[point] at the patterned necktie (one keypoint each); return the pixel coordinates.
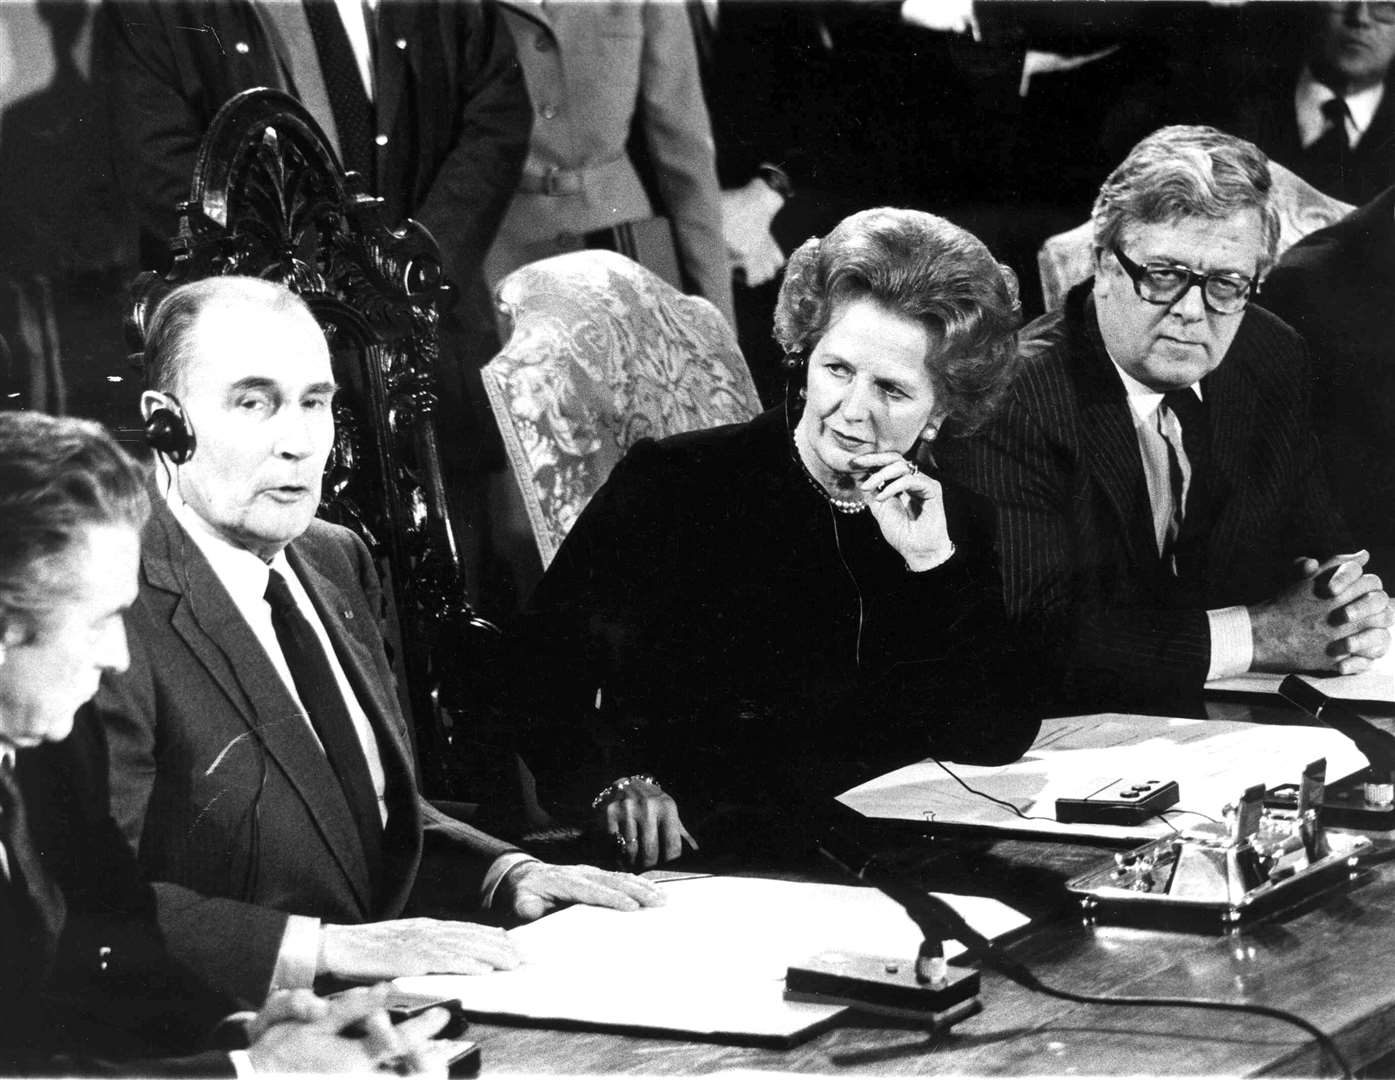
(348, 98)
(1189, 465)
(324, 705)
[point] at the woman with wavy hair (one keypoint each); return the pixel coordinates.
(764, 613)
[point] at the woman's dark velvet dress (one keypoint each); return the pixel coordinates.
(713, 620)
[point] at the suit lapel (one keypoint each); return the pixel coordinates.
(208, 622)
(1109, 441)
(1231, 402)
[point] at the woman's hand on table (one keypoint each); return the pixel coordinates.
(642, 820)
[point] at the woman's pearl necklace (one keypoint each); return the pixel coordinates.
(843, 506)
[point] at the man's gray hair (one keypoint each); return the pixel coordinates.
(1187, 171)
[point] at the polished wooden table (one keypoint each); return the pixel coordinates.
(1330, 961)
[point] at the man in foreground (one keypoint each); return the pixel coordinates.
(85, 984)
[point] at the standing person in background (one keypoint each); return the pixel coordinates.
(424, 99)
(85, 973)
(606, 80)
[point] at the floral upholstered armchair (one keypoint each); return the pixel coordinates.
(1066, 259)
(602, 353)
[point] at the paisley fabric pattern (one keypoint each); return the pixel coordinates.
(1066, 259)
(602, 353)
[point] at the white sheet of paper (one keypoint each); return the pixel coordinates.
(1375, 684)
(710, 961)
(1213, 762)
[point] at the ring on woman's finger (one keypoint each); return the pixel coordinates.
(913, 467)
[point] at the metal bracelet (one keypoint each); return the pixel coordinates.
(620, 785)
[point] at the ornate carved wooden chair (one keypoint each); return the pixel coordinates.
(1066, 259)
(270, 200)
(602, 353)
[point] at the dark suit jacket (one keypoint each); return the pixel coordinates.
(1080, 561)
(452, 103)
(1269, 121)
(86, 985)
(1336, 287)
(218, 780)
(749, 641)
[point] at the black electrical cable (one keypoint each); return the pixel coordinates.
(926, 909)
(991, 798)
(1023, 976)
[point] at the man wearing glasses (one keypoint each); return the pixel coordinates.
(1163, 518)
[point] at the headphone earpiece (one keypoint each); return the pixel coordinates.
(168, 433)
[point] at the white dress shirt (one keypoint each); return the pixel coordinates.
(1232, 643)
(354, 14)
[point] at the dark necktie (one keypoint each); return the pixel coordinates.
(31, 907)
(1329, 156)
(329, 716)
(348, 97)
(1186, 537)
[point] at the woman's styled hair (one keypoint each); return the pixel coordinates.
(921, 267)
(58, 475)
(1187, 171)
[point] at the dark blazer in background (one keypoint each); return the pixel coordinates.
(1336, 287)
(219, 781)
(451, 102)
(1079, 557)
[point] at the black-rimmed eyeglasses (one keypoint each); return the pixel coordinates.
(1380, 10)
(1166, 283)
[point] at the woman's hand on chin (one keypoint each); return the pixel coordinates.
(908, 507)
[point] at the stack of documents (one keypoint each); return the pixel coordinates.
(710, 962)
(1212, 761)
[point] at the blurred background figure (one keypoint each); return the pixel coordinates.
(620, 136)
(1326, 114)
(1335, 287)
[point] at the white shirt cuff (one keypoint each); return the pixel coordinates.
(498, 870)
(1232, 643)
(242, 1065)
(299, 958)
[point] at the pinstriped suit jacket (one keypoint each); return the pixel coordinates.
(1062, 466)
